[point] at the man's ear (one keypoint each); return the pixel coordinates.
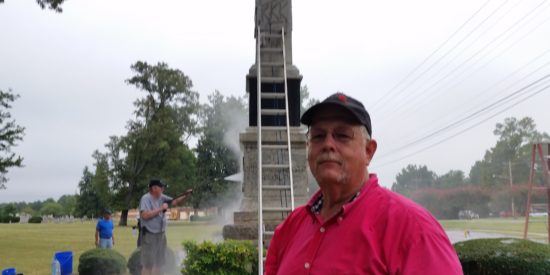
(370, 148)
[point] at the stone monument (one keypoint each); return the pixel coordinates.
(271, 17)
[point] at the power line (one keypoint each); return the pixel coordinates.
(429, 56)
(469, 117)
(509, 76)
(454, 47)
(462, 131)
(492, 59)
(424, 92)
(496, 84)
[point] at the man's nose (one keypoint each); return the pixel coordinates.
(328, 142)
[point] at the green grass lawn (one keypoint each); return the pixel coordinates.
(506, 226)
(30, 247)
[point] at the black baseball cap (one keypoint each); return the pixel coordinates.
(156, 182)
(108, 211)
(349, 103)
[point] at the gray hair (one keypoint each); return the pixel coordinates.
(365, 133)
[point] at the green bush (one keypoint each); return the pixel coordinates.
(35, 219)
(9, 219)
(134, 263)
(503, 256)
(229, 257)
(99, 261)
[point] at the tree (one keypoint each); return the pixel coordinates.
(10, 134)
(513, 147)
(100, 181)
(218, 151)
(154, 146)
(168, 93)
(413, 177)
(68, 202)
(52, 208)
(8, 210)
(88, 201)
(453, 178)
(95, 195)
(446, 203)
(305, 101)
(28, 210)
(51, 4)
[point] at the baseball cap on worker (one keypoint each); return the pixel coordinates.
(156, 182)
(355, 108)
(108, 211)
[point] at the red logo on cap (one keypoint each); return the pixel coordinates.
(343, 98)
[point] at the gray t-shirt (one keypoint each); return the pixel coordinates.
(156, 224)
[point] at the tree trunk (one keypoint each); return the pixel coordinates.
(123, 218)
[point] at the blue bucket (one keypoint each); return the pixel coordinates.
(65, 259)
(8, 271)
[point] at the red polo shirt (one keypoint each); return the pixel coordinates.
(379, 232)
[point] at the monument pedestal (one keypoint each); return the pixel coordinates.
(245, 225)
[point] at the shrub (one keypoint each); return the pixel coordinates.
(229, 257)
(503, 256)
(9, 219)
(134, 262)
(99, 261)
(35, 219)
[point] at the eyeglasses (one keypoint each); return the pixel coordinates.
(340, 135)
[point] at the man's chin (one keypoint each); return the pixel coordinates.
(327, 176)
(329, 165)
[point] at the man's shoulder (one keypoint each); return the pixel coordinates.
(102, 222)
(402, 212)
(146, 196)
(399, 203)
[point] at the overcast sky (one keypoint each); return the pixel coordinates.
(418, 66)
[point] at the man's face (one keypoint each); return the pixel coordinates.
(338, 152)
(107, 216)
(156, 190)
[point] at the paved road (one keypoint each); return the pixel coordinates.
(458, 236)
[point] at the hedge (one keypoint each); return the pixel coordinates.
(99, 261)
(229, 257)
(7, 219)
(35, 219)
(134, 263)
(503, 256)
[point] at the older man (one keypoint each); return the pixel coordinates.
(353, 225)
(152, 207)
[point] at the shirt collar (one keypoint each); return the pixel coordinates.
(315, 204)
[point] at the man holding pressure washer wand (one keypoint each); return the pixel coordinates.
(152, 209)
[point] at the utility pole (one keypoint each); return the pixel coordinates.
(511, 188)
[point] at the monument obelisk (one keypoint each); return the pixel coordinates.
(271, 16)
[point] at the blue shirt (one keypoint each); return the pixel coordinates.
(105, 228)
